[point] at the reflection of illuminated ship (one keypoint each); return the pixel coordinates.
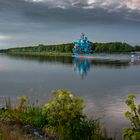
(82, 46)
(134, 61)
(81, 66)
(134, 58)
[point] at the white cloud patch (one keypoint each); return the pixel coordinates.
(114, 4)
(133, 4)
(4, 37)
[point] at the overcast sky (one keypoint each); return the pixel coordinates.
(32, 22)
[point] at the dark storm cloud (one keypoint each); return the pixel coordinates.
(27, 11)
(32, 18)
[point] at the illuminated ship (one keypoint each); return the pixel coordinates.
(82, 46)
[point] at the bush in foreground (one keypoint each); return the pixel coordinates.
(62, 117)
(24, 113)
(134, 116)
(66, 118)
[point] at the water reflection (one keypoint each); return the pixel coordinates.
(104, 89)
(134, 61)
(81, 66)
(68, 60)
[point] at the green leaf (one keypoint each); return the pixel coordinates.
(131, 96)
(128, 115)
(129, 102)
(133, 107)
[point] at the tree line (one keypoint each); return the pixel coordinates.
(111, 47)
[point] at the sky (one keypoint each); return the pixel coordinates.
(33, 22)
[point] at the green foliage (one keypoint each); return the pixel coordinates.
(64, 112)
(36, 116)
(137, 48)
(111, 47)
(134, 116)
(64, 106)
(62, 48)
(62, 117)
(25, 114)
(66, 118)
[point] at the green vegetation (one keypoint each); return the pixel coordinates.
(66, 118)
(66, 49)
(113, 47)
(134, 116)
(44, 49)
(62, 117)
(25, 114)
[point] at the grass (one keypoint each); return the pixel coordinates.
(62, 118)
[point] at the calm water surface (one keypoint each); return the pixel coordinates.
(102, 84)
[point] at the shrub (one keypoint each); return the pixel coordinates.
(66, 118)
(62, 117)
(134, 116)
(24, 113)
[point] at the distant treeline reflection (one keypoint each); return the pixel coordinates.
(67, 60)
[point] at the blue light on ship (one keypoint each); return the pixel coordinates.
(82, 46)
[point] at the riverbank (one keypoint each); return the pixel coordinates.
(60, 119)
(9, 131)
(18, 131)
(95, 56)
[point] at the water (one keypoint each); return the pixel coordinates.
(103, 85)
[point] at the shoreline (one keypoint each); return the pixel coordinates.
(109, 57)
(96, 56)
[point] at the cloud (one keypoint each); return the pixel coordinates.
(114, 4)
(35, 21)
(5, 37)
(69, 11)
(133, 4)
